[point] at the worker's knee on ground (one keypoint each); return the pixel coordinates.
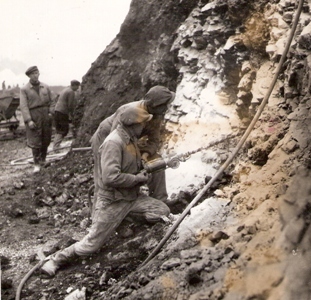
(152, 217)
(162, 210)
(166, 210)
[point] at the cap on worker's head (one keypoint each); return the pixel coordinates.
(134, 115)
(74, 82)
(31, 70)
(159, 95)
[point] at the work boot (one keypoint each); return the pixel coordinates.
(44, 151)
(57, 141)
(36, 169)
(58, 259)
(36, 153)
(49, 268)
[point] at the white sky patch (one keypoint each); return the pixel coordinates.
(63, 38)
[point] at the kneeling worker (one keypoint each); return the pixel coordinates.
(119, 185)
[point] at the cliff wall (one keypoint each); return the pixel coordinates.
(137, 59)
(250, 238)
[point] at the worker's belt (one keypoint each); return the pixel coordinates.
(38, 107)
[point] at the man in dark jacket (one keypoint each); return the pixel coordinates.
(119, 189)
(64, 110)
(37, 106)
(155, 102)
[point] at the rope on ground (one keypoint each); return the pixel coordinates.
(237, 148)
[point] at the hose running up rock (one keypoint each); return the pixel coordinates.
(237, 148)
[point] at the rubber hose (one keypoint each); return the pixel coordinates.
(237, 148)
(26, 277)
(17, 162)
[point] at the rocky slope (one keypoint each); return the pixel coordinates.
(248, 237)
(224, 55)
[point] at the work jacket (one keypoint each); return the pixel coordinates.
(151, 130)
(120, 160)
(30, 99)
(66, 102)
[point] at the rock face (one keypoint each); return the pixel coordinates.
(220, 57)
(137, 59)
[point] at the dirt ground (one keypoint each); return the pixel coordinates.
(43, 213)
(229, 241)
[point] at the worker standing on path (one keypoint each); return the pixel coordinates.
(119, 185)
(37, 107)
(154, 102)
(64, 110)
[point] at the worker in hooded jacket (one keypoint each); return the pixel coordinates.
(155, 102)
(120, 178)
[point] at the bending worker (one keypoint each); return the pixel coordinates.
(37, 106)
(118, 194)
(155, 102)
(64, 110)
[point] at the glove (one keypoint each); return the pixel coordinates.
(142, 177)
(145, 156)
(32, 124)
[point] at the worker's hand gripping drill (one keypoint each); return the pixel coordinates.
(143, 176)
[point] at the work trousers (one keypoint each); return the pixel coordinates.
(62, 128)
(106, 219)
(61, 123)
(39, 138)
(156, 184)
(39, 155)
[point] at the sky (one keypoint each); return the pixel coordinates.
(61, 37)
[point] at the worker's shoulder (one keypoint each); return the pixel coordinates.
(67, 90)
(114, 137)
(118, 137)
(26, 86)
(138, 104)
(44, 85)
(113, 141)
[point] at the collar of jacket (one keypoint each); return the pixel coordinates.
(125, 134)
(143, 105)
(31, 85)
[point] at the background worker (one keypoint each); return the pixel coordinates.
(119, 184)
(37, 106)
(64, 110)
(154, 102)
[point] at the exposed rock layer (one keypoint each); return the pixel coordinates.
(220, 57)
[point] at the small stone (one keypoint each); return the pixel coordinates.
(33, 220)
(104, 278)
(6, 283)
(17, 212)
(219, 235)
(19, 185)
(143, 279)
(240, 228)
(171, 263)
(126, 232)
